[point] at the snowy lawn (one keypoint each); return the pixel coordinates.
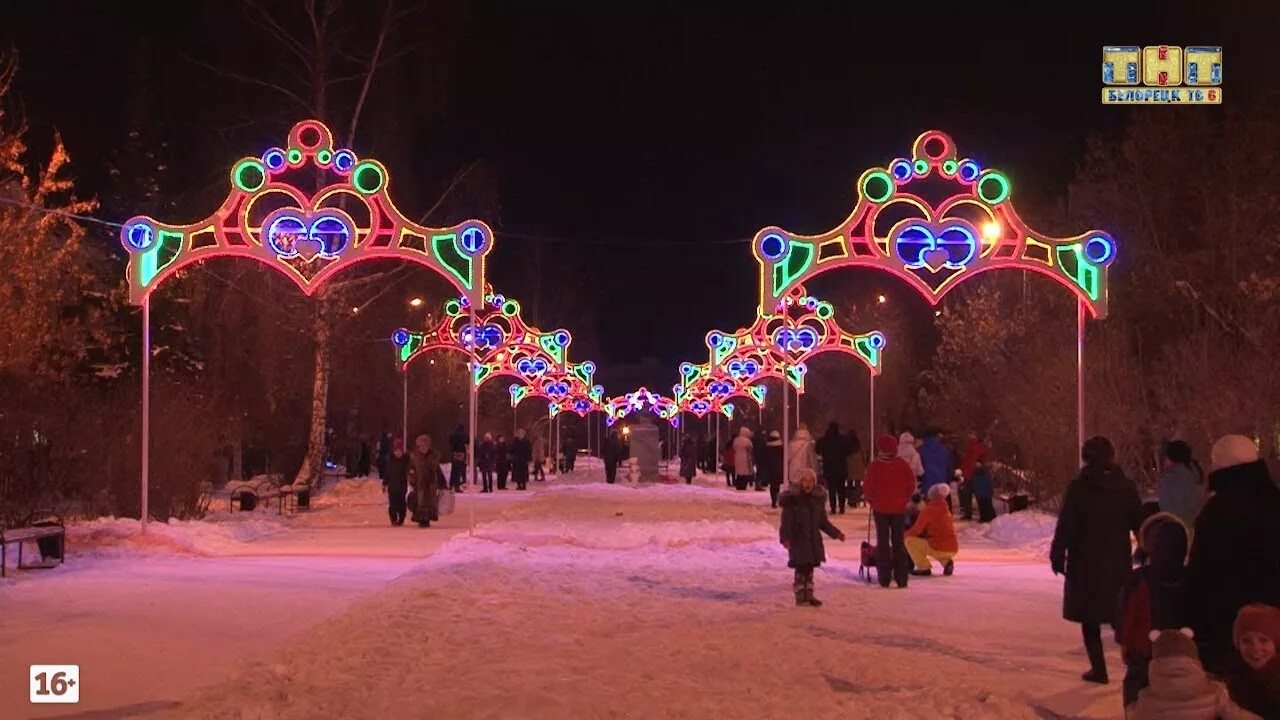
(576, 600)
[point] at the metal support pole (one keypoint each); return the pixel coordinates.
(718, 455)
(404, 416)
(1080, 376)
(144, 511)
(786, 436)
(471, 383)
(871, 419)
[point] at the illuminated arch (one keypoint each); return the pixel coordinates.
(309, 237)
(935, 247)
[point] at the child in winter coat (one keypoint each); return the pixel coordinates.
(1152, 598)
(804, 519)
(1257, 687)
(933, 534)
(1180, 689)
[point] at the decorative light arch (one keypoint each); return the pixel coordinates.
(617, 408)
(307, 236)
(935, 246)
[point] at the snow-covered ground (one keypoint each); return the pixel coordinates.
(576, 599)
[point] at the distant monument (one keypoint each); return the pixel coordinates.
(646, 447)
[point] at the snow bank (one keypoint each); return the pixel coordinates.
(217, 534)
(1027, 530)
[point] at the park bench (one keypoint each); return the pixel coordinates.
(245, 495)
(42, 527)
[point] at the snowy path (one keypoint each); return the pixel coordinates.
(575, 601)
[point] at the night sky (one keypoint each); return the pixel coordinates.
(639, 139)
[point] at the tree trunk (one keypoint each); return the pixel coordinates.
(313, 463)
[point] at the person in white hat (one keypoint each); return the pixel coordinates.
(1235, 552)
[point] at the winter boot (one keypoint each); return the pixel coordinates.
(949, 569)
(802, 595)
(1097, 662)
(922, 573)
(808, 595)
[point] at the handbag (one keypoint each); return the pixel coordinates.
(445, 502)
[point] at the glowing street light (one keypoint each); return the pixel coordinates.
(882, 299)
(937, 313)
(991, 231)
(626, 430)
(354, 310)
(416, 302)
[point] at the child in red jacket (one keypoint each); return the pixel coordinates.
(888, 487)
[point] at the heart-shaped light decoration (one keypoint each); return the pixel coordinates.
(294, 235)
(950, 246)
(531, 367)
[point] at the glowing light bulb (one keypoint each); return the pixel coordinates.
(416, 302)
(991, 230)
(937, 313)
(882, 299)
(355, 310)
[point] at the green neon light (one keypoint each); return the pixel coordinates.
(795, 264)
(757, 392)
(250, 175)
(165, 251)
(877, 187)
(518, 393)
(795, 375)
(480, 371)
(411, 348)
(446, 250)
(323, 157)
(868, 351)
(824, 310)
(295, 156)
(993, 187)
(548, 343)
(510, 307)
(1082, 272)
(367, 177)
(727, 409)
(580, 372)
(921, 167)
(949, 167)
(726, 346)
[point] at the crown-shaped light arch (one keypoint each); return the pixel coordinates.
(307, 236)
(935, 246)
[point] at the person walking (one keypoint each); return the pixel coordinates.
(935, 459)
(502, 460)
(1182, 488)
(688, 460)
(458, 442)
(744, 461)
(1091, 546)
(539, 473)
(1235, 549)
(800, 453)
(486, 459)
(888, 486)
(773, 465)
(521, 455)
(975, 452)
(395, 481)
(833, 448)
(726, 462)
(855, 468)
(611, 454)
(384, 451)
(804, 519)
(427, 478)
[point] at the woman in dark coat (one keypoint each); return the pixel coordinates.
(425, 473)
(1091, 546)
(804, 519)
(773, 465)
(395, 479)
(688, 459)
(502, 460)
(521, 455)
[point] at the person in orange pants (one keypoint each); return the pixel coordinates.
(933, 535)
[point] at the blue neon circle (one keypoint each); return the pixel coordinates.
(772, 246)
(969, 171)
(400, 337)
(140, 236)
(901, 170)
(715, 338)
(273, 159)
(473, 239)
(876, 340)
(1098, 249)
(343, 160)
(686, 368)
(561, 338)
(589, 367)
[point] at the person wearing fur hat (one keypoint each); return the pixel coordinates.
(800, 453)
(907, 451)
(773, 465)
(1235, 550)
(933, 534)
(1180, 689)
(804, 519)
(888, 486)
(1256, 687)
(1153, 598)
(1100, 510)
